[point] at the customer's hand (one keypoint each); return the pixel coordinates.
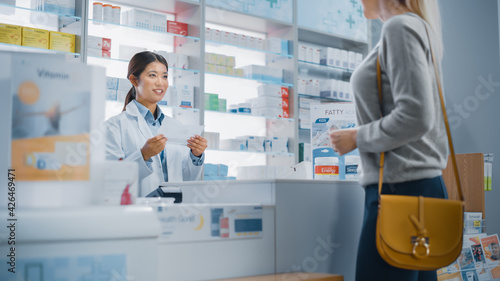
(198, 144)
(343, 141)
(153, 146)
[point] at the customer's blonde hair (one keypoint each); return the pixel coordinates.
(429, 11)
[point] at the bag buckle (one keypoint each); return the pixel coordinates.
(420, 241)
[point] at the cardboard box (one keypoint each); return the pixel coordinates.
(158, 22)
(328, 56)
(208, 34)
(11, 34)
(34, 37)
(185, 96)
(95, 42)
(271, 90)
(177, 28)
(60, 41)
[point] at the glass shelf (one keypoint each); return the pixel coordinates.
(321, 68)
(127, 61)
(70, 18)
(17, 48)
(248, 115)
(322, 98)
(249, 79)
(216, 43)
(109, 24)
(253, 152)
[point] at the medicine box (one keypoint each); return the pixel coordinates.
(259, 44)
(222, 105)
(344, 59)
(233, 144)
(185, 96)
(234, 39)
(316, 55)
(230, 61)
(273, 112)
(309, 54)
(158, 22)
(221, 69)
(302, 52)
(253, 143)
(272, 90)
(111, 94)
(100, 43)
(63, 42)
(277, 45)
(208, 34)
(327, 56)
(221, 60)
(225, 37)
(251, 42)
(178, 28)
(301, 86)
(242, 40)
(59, 7)
(352, 60)
(34, 37)
(112, 83)
(269, 102)
(98, 53)
(182, 61)
(139, 18)
(329, 88)
(230, 71)
(212, 102)
(216, 35)
(313, 87)
(11, 34)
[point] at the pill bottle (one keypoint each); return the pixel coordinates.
(116, 14)
(107, 13)
(351, 167)
(97, 11)
(326, 168)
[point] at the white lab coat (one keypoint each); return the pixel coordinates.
(126, 134)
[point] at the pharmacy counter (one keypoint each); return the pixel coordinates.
(84, 243)
(317, 223)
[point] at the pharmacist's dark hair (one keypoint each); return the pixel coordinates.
(137, 65)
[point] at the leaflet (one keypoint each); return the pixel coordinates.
(178, 133)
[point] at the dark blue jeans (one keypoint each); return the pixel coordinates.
(370, 266)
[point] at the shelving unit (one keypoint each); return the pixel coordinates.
(232, 17)
(22, 14)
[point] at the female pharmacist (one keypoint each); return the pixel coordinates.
(411, 131)
(131, 135)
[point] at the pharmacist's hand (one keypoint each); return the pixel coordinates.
(343, 141)
(198, 144)
(153, 146)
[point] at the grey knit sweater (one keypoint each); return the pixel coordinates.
(412, 131)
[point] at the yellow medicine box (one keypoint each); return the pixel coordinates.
(34, 37)
(60, 41)
(11, 34)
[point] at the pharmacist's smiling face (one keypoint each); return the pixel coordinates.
(152, 84)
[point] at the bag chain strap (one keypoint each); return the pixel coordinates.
(445, 117)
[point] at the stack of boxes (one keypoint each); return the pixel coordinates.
(221, 64)
(37, 38)
(271, 44)
(54, 6)
(216, 172)
(214, 103)
(336, 89)
(179, 96)
(98, 46)
(117, 88)
(145, 19)
(256, 144)
(348, 60)
(259, 72)
(272, 101)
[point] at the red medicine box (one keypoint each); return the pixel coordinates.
(177, 27)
